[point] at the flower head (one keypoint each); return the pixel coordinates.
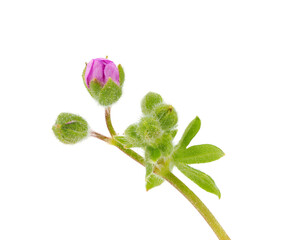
(101, 69)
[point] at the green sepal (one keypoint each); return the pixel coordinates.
(173, 132)
(200, 178)
(152, 153)
(94, 86)
(152, 180)
(110, 93)
(107, 94)
(190, 132)
(121, 74)
(149, 102)
(165, 144)
(198, 154)
(166, 115)
(70, 128)
(95, 89)
(83, 74)
(59, 135)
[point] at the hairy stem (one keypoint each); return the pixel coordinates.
(108, 122)
(171, 178)
(178, 184)
(101, 137)
(129, 152)
(198, 204)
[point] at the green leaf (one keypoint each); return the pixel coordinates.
(121, 74)
(198, 154)
(152, 180)
(190, 132)
(200, 178)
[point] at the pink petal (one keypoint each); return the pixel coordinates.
(111, 71)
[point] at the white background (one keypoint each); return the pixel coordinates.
(241, 66)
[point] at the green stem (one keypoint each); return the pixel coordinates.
(101, 137)
(198, 204)
(178, 184)
(113, 142)
(129, 152)
(108, 121)
(171, 178)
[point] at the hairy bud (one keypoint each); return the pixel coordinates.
(104, 80)
(70, 128)
(167, 116)
(149, 102)
(149, 130)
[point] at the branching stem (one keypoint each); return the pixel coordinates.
(171, 178)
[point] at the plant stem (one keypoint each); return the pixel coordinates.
(108, 122)
(171, 178)
(178, 184)
(198, 204)
(127, 151)
(101, 137)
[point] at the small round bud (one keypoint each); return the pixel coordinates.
(149, 129)
(70, 128)
(149, 102)
(167, 116)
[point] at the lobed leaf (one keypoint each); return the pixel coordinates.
(198, 154)
(189, 133)
(200, 178)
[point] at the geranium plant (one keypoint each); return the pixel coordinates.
(154, 133)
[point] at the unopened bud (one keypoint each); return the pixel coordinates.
(104, 80)
(70, 128)
(149, 102)
(149, 130)
(167, 116)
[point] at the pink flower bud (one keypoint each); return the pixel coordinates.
(101, 69)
